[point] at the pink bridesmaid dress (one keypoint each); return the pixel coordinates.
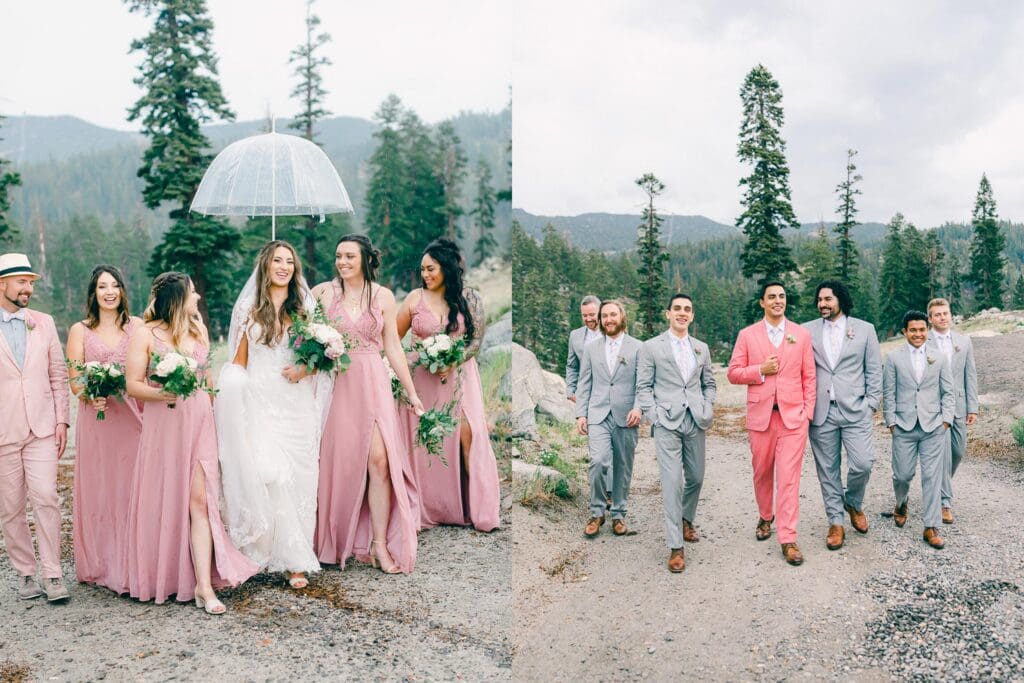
(362, 398)
(450, 495)
(174, 442)
(105, 453)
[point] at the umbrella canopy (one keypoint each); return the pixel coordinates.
(271, 175)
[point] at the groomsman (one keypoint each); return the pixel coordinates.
(960, 353)
(578, 340)
(607, 414)
(849, 390)
(774, 358)
(675, 389)
(33, 430)
(917, 388)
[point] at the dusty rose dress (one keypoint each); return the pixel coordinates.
(450, 495)
(362, 398)
(105, 455)
(174, 442)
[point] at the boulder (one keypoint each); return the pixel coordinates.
(498, 333)
(524, 471)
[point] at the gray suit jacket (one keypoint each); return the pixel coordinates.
(600, 393)
(908, 402)
(572, 361)
(857, 377)
(965, 374)
(661, 390)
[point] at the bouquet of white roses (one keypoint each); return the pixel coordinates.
(176, 374)
(317, 345)
(435, 426)
(99, 380)
(439, 352)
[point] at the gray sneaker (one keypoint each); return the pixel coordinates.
(56, 591)
(30, 588)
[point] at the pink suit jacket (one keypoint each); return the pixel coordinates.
(792, 388)
(33, 399)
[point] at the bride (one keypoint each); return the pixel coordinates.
(268, 422)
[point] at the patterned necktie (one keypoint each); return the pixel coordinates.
(17, 315)
(611, 355)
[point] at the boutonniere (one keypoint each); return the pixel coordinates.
(849, 333)
(930, 360)
(791, 339)
(957, 349)
(696, 352)
(622, 361)
(29, 323)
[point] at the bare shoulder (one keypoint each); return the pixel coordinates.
(383, 295)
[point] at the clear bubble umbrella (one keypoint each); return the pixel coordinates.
(271, 175)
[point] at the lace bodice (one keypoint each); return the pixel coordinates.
(364, 330)
(260, 355)
(95, 349)
(425, 324)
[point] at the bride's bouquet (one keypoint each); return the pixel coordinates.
(317, 345)
(176, 374)
(435, 426)
(99, 380)
(439, 352)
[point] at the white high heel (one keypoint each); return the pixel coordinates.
(212, 606)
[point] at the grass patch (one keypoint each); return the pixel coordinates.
(492, 372)
(11, 672)
(1018, 432)
(551, 458)
(541, 492)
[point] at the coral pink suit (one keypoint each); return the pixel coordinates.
(105, 453)
(175, 441)
(779, 409)
(450, 495)
(362, 399)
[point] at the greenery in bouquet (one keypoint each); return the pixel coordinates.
(317, 345)
(397, 390)
(99, 380)
(177, 374)
(439, 352)
(434, 427)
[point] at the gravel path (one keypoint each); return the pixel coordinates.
(884, 606)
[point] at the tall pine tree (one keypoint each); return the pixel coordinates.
(452, 172)
(818, 264)
(8, 179)
(652, 261)
(890, 282)
(385, 193)
(988, 263)
(1017, 300)
(954, 284)
(181, 92)
(847, 258)
(934, 257)
(766, 198)
(483, 213)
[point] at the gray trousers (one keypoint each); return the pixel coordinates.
(611, 457)
(680, 454)
(930, 449)
(956, 449)
(827, 442)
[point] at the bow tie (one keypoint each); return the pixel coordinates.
(19, 314)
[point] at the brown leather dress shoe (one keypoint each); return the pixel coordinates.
(619, 527)
(676, 561)
(899, 515)
(792, 554)
(858, 520)
(593, 526)
(836, 534)
(932, 538)
(690, 534)
(947, 515)
(764, 529)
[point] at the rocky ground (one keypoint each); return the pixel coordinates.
(886, 606)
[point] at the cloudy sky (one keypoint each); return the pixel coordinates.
(440, 58)
(929, 92)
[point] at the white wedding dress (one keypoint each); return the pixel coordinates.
(268, 433)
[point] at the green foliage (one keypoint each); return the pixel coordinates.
(652, 257)
(934, 258)
(766, 197)
(309, 89)
(911, 267)
(452, 173)
(1017, 299)
(817, 263)
(483, 213)
(846, 249)
(8, 179)
(551, 458)
(954, 282)
(1018, 431)
(988, 263)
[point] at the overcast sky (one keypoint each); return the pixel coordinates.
(71, 57)
(929, 92)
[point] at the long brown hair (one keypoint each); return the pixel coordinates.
(167, 300)
(370, 262)
(92, 303)
(263, 311)
(447, 254)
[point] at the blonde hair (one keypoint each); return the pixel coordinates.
(617, 304)
(938, 301)
(167, 300)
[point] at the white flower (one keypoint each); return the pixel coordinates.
(192, 364)
(335, 349)
(169, 364)
(443, 342)
(113, 371)
(324, 334)
(93, 365)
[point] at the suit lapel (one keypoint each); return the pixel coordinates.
(761, 335)
(670, 353)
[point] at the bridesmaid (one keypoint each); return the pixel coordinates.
(467, 491)
(104, 451)
(177, 544)
(367, 489)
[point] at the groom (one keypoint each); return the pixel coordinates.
(33, 430)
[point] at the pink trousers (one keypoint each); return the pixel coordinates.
(29, 469)
(777, 456)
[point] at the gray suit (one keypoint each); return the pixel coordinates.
(572, 371)
(680, 412)
(965, 393)
(605, 399)
(917, 411)
(844, 417)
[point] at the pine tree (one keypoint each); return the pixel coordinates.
(847, 260)
(483, 213)
(423, 216)
(311, 93)
(1018, 294)
(914, 286)
(766, 199)
(818, 264)
(385, 193)
(890, 288)
(452, 172)
(8, 179)
(934, 257)
(181, 92)
(652, 260)
(988, 264)
(954, 283)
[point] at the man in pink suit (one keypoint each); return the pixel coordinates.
(33, 430)
(775, 359)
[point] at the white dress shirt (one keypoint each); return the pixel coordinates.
(611, 352)
(833, 334)
(918, 360)
(775, 334)
(945, 344)
(12, 325)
